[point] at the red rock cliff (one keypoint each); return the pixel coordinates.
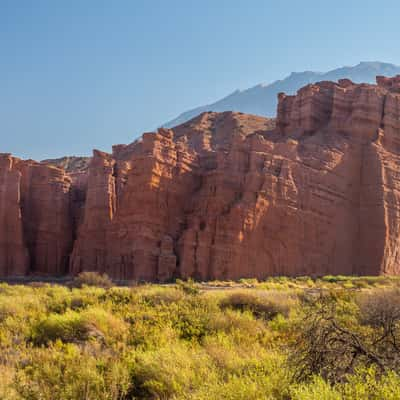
(14, 256)
(35, 230)
(224, 196)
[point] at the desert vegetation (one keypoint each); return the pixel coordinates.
(286, 339)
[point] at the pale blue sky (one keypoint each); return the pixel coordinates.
(80, 74)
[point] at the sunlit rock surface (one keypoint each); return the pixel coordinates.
(223, 196)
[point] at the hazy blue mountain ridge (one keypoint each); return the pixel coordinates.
(262, 99)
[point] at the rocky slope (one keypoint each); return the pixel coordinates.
(71, 164)
(223, 196)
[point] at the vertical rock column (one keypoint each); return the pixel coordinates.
(14, 258)
(90, 248)
(150, 214)
(46, 216)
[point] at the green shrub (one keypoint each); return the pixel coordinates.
(281, 339)
(164, 295)
(192, 318)
(263, 305)
(90, 278)
(172, 371)
(367, 383)
(7, 387)
(189, 286)
(66, 372)
(68, 327)
(74, 327)
(316, 389)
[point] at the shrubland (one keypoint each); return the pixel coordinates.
(286, 339)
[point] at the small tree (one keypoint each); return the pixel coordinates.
(334, 347)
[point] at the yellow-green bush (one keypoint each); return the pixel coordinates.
(244, 340)
(72, 326)
(68, 372)
(171, 371)
(90, 278)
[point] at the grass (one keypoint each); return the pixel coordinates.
(195, 341)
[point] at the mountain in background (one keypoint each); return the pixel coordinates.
(262, 99)
(69, 163)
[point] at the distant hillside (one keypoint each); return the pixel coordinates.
(262, 99)
(70, 164)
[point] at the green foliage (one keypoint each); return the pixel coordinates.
(281, 339)
(188, 286)
(92, 279)
(67, 327)
(317, 389)
(170, 371)
(72, 326)
(68, 372)
(262, 305)
(340, 334)
(366, 383)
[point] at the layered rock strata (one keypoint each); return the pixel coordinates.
(35, 215)
(223, 196)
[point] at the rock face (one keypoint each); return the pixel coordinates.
(14, 257)
(223, 196)
(35, 230)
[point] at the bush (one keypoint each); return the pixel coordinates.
(74, 327)
(284, 339)
(367, 383)
(64, 371)
(68, 327)
(242, 326)
(170, 372)
(7, 388)
(192, 317)
(316, 389)
(189, 286)
(381, 309)
(92, 279)
(266, 306)
(332, 343)
(164, 295)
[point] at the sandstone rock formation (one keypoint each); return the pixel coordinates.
(223, 196)
(14, 257)
(35, 230)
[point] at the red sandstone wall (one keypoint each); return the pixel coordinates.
(223, 196)
(14, 257)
